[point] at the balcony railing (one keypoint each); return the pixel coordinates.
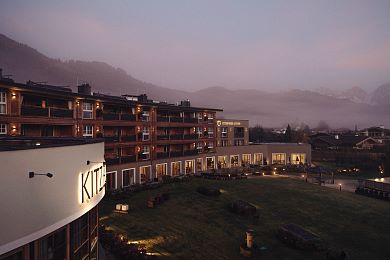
(61, 112)
(142, 156)
(190, 120)
(190, 152)
(111, 139)
(128, 159)
(190, 136)
(112, 161)
(110, 116)
(162, 119)
(128, 117)
(176, 119)
(34, 111)
(163, 137)
(176, 137)
(129, 138)
(176, 154)
(161, 155)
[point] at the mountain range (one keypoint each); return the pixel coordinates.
(338, 108)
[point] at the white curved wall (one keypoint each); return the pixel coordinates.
(32, 208)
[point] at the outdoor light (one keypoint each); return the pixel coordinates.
(13, 95)
(340, 185)
(89, 162)
(32, 174)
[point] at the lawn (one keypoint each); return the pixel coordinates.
(193, 226)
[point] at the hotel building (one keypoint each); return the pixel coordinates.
(49, 197)
(143, 139)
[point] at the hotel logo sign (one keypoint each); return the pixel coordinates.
(92, 183)
(228, 123)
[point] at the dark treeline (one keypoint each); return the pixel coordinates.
(258, 134)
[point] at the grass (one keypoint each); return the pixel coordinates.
(193, 226)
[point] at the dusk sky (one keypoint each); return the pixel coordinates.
(189, 45)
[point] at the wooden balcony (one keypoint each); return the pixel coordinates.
(34, 111)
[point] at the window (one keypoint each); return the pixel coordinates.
(199, 131)
(79, 237)
(199, 164)
(144, 172)
(53, 246)
(3, 129)
(224, 143)
(233, 160)
(224, 132)
(210, 132)
(210, 163)
(145, 116)
(175, 168)
(111, 180)
(222, 162)
(210, 116)
(87, 110)
(145, 134)
(189, 166)
(278, 158)
(246, 159)
(258, 159)
(210, 145)
(128, 177)
(298, 158)
(238, 142)
(88, 131)
(161, 170)
(3, 102)
(199, 146)
(145, 152)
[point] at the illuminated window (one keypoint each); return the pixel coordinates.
(298, 158)
(210, 145)
(199, 131)
(145, 134)
(175, 168)
(210, 163)
(199, 164)
(234, 161)
(3, 129)
(144, 172)
(246, 159)
(161, 169)
(145, 116)
(87, 110)
(258, 159)
(128, 177)
(224, 132)
(189, 166)
(278, 158)
(222, 162)
(88, 131)
(3, 102)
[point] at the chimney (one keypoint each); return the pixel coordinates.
(84, 89)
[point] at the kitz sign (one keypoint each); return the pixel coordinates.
(92, 183)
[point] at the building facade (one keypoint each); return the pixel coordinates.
(49, 198)
(232, 132)
(143, 139)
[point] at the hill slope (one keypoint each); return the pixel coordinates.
(268, 109)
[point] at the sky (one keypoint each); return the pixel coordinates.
(190, 45)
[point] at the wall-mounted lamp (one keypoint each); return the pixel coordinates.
(89, 162)
(13, 95)
(32, 174)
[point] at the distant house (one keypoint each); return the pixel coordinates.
(380, 134)
(333, 142)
